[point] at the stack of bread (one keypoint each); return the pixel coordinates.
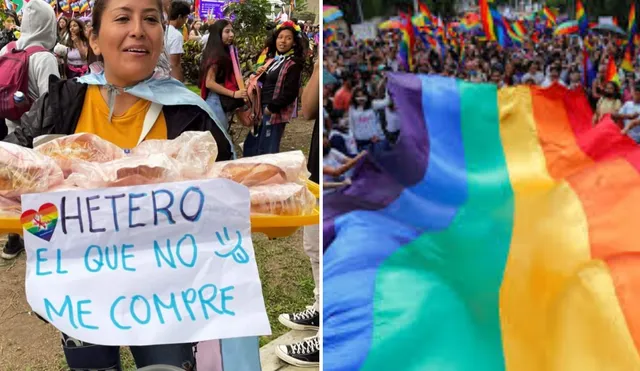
(277, 183)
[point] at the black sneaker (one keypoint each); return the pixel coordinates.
(303, 354)
(309, 319)
(13, 247)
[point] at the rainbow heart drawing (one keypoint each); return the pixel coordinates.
(41, 223)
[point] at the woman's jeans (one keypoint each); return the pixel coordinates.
(213, 100)
(374, 149)
(84, 356)
(267, 141)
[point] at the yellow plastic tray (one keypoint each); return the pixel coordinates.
(272, 226)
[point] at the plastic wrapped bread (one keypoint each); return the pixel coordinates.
(129, 171)
(195, 151)
(280, 168)
(290, 199)
(23, 170)
(67, 150)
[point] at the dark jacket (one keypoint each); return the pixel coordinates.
(58, 112)
(278, 98)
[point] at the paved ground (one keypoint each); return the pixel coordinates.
(271, 362)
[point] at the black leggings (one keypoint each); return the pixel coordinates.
(83, 356)
(4, 130)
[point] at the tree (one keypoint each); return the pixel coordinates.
(249, 16)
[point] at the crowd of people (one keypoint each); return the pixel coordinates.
(359, 111)
(78, 69)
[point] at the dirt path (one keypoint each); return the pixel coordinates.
(27, 343)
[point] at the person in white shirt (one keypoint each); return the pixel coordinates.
(174, 40)
(630, 112)
(553, 78)
(364, 121)
(534, 74)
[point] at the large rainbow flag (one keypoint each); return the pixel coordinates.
(499, 234)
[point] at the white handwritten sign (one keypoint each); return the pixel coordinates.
(154, 264)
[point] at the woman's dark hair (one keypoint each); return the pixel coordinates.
(616, 89)
(300, 45)
(193, 27)
(66, 22)
(96, 23)
(356, 92)
(216, 52)
(12, 14)
(81, 34)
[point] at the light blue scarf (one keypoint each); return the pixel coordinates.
(160, 90)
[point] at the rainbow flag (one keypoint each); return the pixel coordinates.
(487, 21)
(405, 51)
(566, 28)
(331, 13)
(581, 16)
(329, 37)
(550, 16)
(611, 74)
(519, 28)
(424, 11)
(627, 62)
(633, 25)
(497, 235)
(262, 58)
(515, 38)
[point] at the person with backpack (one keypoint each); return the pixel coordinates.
(25, 68)
(280, 77)
(220, 86)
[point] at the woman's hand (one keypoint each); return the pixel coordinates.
(261, 70)
(242, 93)
(266, 111)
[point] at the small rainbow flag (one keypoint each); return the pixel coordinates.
(627, 62)
(498, 234)
(566, 28)
(581, 16)
(611, 74)
(487, 21)
(424, 11)
(262, 58)
(519, 28)
(331, 13)
(329, 37)
(633, 25)
(405, 51)
(550, 16)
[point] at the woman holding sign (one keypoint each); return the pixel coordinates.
(124, 102)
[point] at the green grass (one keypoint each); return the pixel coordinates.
(193, 88)
(287, 286)
(287, 282)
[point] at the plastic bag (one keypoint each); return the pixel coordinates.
(280, 168)
(23, 170)
(129, 171)
(196, 151)
(289, 199)
(67, 150)
(10, 207)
